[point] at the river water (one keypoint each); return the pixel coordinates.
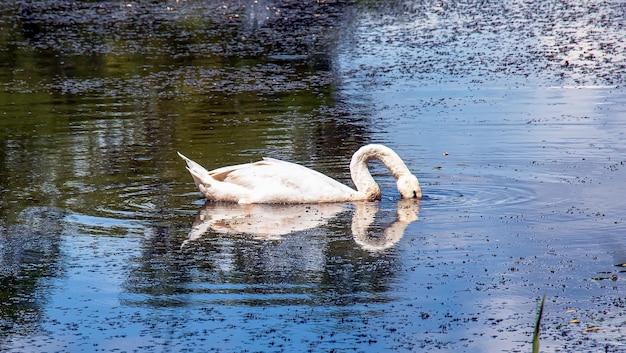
(511, 113)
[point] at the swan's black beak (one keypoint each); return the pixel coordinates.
(414, 194)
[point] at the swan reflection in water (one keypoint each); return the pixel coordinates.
(272, 221)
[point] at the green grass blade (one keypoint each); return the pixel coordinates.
(537, 323)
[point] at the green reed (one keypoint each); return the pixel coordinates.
(537, 324)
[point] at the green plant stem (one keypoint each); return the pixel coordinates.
(537, 324)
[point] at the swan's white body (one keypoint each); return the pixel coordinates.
(275, 181)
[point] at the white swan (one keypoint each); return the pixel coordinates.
(275, 181)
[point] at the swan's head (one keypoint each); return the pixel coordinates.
(409, 187)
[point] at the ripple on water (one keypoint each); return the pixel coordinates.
(476, 192)
(109, 226)
(138, 199)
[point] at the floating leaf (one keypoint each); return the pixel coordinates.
(592, 329)
(571, 311)
(621, 265)
(574, 321)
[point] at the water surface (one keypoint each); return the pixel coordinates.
(510, 113)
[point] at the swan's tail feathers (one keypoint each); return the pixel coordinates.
(198, 173)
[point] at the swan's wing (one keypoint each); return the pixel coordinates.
(274, 181)
(220, 174)
(210, 183)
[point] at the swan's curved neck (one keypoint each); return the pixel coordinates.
(360, 173)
